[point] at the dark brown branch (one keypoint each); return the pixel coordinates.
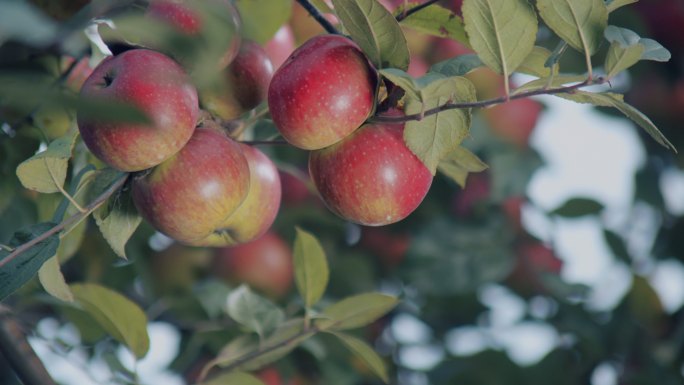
(67, 222)
(19, 354)
(316, 14)
(411, 11)
(483, 103)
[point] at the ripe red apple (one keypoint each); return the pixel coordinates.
(245, 84)
(280, 46)
(418, 66)
(156, 85)
(323, 92)
(264, 264)
(389, 247)
(79, 73)
(190, 195)
(258, 211)
(514, 121)
(370, 177)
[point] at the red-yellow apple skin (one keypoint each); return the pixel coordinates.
(188, 196)
(258, 211)
(323, 92)
(153, 83)
(246, 83)
(371, 177)
(280, 47)
(264, 264)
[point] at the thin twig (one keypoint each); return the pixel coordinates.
(67, 222)
(316, 14)
(483, 103)
(415, 9)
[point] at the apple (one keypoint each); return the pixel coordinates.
(280, 46)
(390, 247)
(153, 83)
(371, 177)
(533, 259)
(191, 194)
(271, 376)
(473, 196)
(514, 120)
(295, 190)
(245, 84)
(323, 92)
(264, 264)
(418, 66)
(258, 211)
(78, 74)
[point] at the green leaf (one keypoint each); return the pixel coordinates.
(261, 19)
(617, 245)
(376, 31)
(322, 6)
(458, 66)
(627, 38)
(22, 268)
(357, 311)
(402, 80)
(438, 21)
(50, 276)
(535, 63)
(558, 81)
(252, 311)
(502, 32)
(619, 58)
(615, 101)
(119, 316)
(117, 218)
(615, 4)
(234, 378)
(579, 22)
(578, 207)
(366, 353)
(654, 51)
(46, 172)
(623, 36)
(311, 267)
(459, 164)
(436, 136)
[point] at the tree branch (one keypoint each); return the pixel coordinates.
(67, 222)
(415, 9)
(316, 14)
(17, 351)
(484, 103)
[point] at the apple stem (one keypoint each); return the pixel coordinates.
(484, 103)
(408, 12)
(316, 14)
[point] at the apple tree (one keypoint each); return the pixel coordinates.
(287, 183)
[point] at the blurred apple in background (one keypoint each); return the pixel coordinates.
(271, 376)
(473, 196)
(390, 247)
(304, 27)
(514, 121)
(418, 66)
(533, 260)
(177, 268)
(280, 46)
(295, 191)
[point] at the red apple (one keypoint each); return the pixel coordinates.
(246, 83)
(323, 92)
(370, 177)
(79, 73)
(271, 376)
(264, 264)
(156, 85)
(280, 46)
(514, 120)
(418, 66)
(191, 194)
(474, 195)
(258, 211)
(389, 247)
(295, 190)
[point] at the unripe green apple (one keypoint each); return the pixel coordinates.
(245, 83)
(258, 211)
(188, 196)
(264, 264)
(153, 83)
(371, 177)
(323, 92)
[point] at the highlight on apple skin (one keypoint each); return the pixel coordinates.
(158, 87)
(371, 177)
(323, 92)
(190, 195)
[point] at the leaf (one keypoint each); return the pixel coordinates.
(117, 218)
(311, 267)
(535, 63)
(502, 32)
(578, 207)
(376, 31)
(615, 4)
(261, 19)
(627, 38)
(615, 101)
(458, 66)
(366, 353)
(20, 20)
(617, 245)
(619, 58)
(357, 311)
(579, 22)
(402, 80)
(435, 136)
(459, 164)
(234, 378)
(438, 21)
(252, 311)
(50, 276)
(119, 316)
(322, 6)
(623, 36)
(46, 172)
(654, 51)
(22, 268)
(558, 81)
